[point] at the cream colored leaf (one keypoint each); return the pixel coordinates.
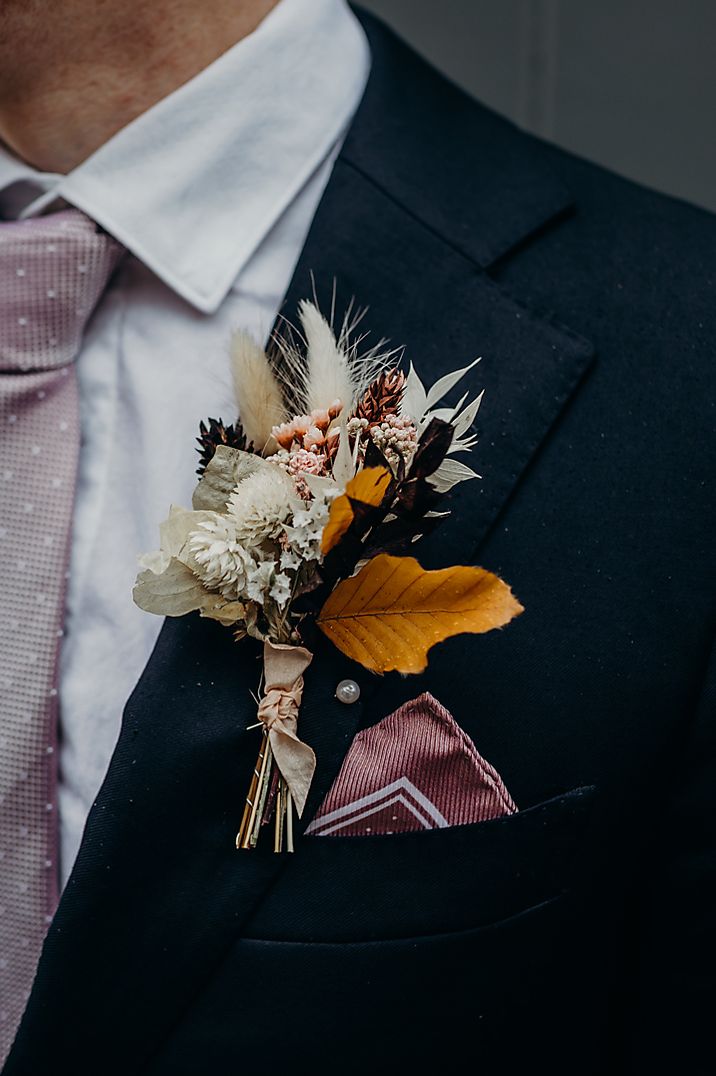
(157, 561)
(177, 591)
(445, 414)
(320, 485)
(227, 613)
(443, 385)
(464, 420)
(449, 473)
(389, 615)
(343, 467)
(177, 527)
(174, 592)
(227, 467)
(413, 403)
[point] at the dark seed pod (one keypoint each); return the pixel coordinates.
(215, 434)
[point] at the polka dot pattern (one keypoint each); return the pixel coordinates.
(49, 269)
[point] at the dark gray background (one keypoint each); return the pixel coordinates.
(628, 83)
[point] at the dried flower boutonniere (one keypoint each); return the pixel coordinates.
(338, 462)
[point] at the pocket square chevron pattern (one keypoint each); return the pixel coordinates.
(416, 769)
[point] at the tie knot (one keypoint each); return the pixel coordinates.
(52, 272)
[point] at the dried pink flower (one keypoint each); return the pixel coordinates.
(307, 431)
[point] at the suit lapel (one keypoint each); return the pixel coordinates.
(158, 892)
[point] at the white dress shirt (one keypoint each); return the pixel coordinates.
(212, 191)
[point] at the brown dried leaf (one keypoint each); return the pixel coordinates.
(389, 615)
(368, 487)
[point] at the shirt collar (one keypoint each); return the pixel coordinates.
(195, 184)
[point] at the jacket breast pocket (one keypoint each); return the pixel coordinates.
(373, 888)
(409, 952)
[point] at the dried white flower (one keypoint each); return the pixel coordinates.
(280, 588)
(290, 561)
(260, 505)
(306, 530)
(218, 558)
(259, 581)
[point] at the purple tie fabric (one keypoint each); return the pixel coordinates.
(52, 272)
(416, 769)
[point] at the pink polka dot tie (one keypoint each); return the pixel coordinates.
(52, 272)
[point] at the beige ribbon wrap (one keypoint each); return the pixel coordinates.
(284, 667)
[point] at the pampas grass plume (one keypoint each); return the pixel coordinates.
(328, 375)
(258, 395)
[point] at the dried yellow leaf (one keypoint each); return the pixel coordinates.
(369, 487)
(389, 615)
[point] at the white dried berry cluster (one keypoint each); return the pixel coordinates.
(356, 427)
(396, 437)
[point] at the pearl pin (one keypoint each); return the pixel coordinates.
(348, 692)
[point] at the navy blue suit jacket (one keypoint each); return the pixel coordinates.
(578, 935)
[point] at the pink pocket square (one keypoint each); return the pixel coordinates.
(416, 769)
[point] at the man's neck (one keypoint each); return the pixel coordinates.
(74, 72)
